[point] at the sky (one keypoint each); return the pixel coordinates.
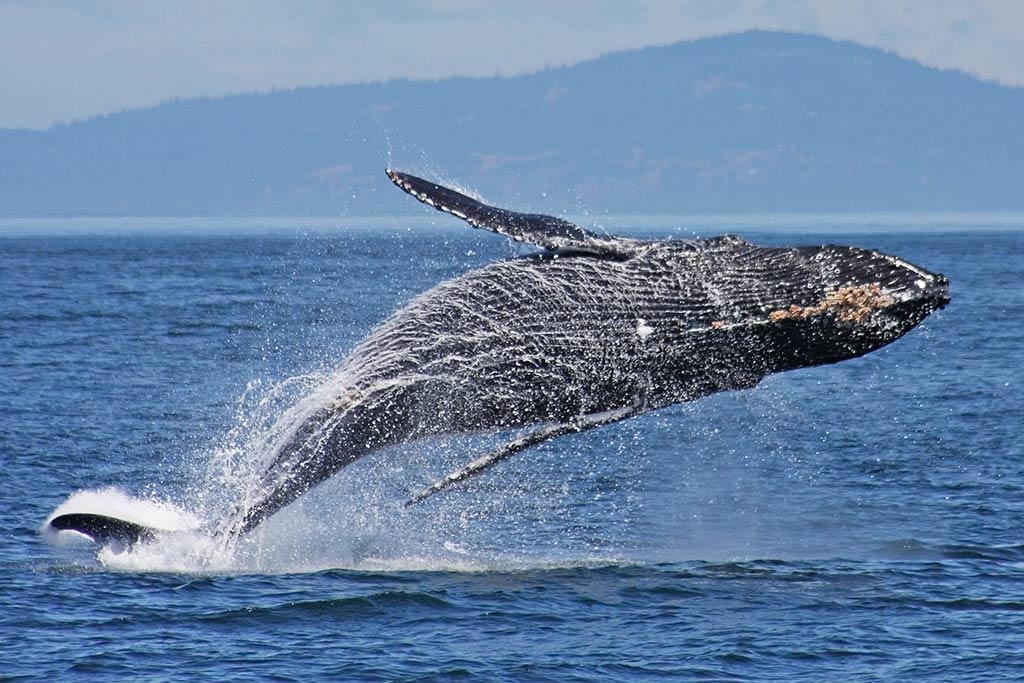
(64, 60)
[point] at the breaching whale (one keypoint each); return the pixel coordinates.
(590, 330)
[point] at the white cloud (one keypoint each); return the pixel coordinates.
(981, 37)
(68, 60)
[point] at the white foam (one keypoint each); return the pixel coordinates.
(113, 502)
(336, 529)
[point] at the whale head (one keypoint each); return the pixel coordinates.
(840, 302)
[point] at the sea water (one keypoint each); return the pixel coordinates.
(862, 521)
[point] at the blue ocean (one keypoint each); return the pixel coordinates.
(862, 521)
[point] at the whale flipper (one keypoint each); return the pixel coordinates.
(548, 232)
(104, 529)
(532, 439)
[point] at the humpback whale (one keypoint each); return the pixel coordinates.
(589, 330)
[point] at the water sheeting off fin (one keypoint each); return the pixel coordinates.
(532, 439)
(543, 231)
(103, 529)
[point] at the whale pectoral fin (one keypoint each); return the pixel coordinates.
(543, 231)
(544, 434)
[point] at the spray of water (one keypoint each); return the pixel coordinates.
(355, 520)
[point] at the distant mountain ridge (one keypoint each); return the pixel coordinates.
(751, 122)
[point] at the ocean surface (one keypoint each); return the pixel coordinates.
(857, 522)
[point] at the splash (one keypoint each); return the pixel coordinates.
(156, 513)
(354, 521)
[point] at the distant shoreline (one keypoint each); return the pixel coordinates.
(676, 225)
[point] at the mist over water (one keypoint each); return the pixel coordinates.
(880, 498)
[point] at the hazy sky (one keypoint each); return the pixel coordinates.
(62, 60)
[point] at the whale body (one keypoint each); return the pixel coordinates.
(591, 330)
